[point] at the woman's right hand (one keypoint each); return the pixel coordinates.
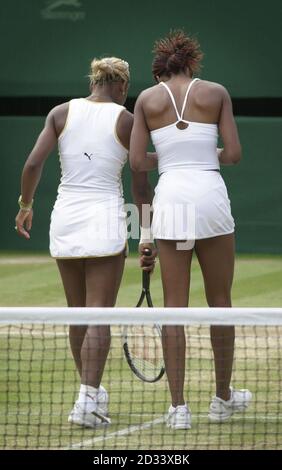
(24, 223)
(147, 262)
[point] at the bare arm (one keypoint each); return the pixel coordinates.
(142, 197)
(142, 194)
(32, 170)
(231, 153)
(139, 159)
(124, 128)
(140, 188)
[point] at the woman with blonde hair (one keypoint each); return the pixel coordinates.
(88, 233)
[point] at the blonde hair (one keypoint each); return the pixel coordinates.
(109, 69)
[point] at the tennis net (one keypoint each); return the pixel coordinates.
(39, 382)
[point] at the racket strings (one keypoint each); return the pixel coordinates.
(144, 344)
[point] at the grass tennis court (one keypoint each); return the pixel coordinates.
(42, 393)
(28, 280)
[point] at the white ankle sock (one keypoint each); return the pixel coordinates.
(179, 406)
(87, 393)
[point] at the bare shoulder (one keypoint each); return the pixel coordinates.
(153, 98)
(125, 118)
(59, 111)
(209, 95)
(126, 115)
(146, 95)
(149, 91)
(212, 87)
(58, 117)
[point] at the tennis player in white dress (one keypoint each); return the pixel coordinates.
(88, 224)
(191, 208)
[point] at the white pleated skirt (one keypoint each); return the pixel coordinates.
(191, 205)
(86, 225)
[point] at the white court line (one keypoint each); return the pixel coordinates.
(122, 432)
(160, 420)
(26, 260)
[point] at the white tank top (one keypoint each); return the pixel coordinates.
(192, 148)
(91, 155)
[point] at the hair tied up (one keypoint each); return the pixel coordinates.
(175, 53)
(109, 69)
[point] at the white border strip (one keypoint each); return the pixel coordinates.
(141, 316)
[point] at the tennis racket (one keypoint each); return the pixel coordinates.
(142, 344)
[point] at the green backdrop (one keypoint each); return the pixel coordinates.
(254, 185)
(46, 45)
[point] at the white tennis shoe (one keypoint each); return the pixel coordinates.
(221, 410)
(179, 417)
(92, 412)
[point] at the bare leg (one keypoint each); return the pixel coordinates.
(103, 277)
(175, 271)
(73, 277)
(216, 258)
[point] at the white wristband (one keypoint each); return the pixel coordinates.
(146, 235)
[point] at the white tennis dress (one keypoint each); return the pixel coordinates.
(191, 200)
(88, 219)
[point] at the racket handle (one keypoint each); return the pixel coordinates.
(146, 274)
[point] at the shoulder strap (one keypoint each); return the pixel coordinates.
(179, 116)
(186, 97)
(172, 99)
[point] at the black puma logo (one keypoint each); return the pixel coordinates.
(88, 156)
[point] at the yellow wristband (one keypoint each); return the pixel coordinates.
(23, 206)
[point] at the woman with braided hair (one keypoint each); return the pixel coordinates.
(88, 233)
